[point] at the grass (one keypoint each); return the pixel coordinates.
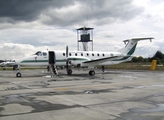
(134, 66)
(126, 66)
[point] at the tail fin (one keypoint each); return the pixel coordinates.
(130, 45)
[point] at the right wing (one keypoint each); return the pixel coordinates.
(85, 60)
(101, 60)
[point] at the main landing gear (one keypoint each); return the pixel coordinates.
(69, 71)
(91, 72)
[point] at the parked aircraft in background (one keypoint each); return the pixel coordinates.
(2, 61)
(88, 59)
(9, 63)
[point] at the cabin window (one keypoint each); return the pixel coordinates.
(98, 54)
(87, 54)
(103, 54)
(92, 54)
(75, 54)
(63, 54)
(44, 54)
(81, 54)
(69, 54)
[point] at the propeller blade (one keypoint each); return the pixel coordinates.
(66, 51)
(67, 58)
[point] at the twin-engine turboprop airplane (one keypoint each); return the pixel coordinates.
(88, 59)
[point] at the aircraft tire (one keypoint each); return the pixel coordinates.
(69, 72)
(18, 74)
(91, 72)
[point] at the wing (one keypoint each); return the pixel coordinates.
(101, 60)
(96, 61)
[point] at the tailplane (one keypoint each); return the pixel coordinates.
(130, 45)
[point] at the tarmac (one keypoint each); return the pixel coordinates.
(113, 95)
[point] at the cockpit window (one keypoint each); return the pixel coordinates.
(44, 54)
(39, 53)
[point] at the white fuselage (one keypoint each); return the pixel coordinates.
(82, 58)
(42, 58)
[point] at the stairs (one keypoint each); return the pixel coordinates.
(53, 70)
(52, 66)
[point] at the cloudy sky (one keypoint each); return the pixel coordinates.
(27, 26)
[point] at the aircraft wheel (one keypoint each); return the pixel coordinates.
(69, 71)
(91, 72)
(18, 74)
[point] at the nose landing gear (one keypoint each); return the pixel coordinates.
(18, 74)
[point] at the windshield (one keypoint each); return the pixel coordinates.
(39, 53)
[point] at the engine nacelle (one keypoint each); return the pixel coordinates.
(77, 60)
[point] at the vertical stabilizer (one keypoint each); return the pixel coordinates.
(130, 45)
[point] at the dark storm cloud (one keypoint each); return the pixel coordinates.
(27, 10)
(67, 12)
(98, 11)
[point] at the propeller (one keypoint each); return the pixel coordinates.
(67, 58)
(69, 71)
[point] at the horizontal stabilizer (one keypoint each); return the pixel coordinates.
(137, 39)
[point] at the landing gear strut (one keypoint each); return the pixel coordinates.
(15, 67)
(103, 68)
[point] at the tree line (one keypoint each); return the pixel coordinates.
(159, 56)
